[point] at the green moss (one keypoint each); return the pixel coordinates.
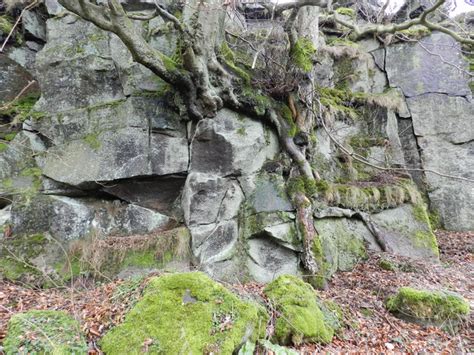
(169, 63)
(426, 239)
(288, 116)
(387, 265)
(241, 131)
(336, 41)
(230, 59)
(302, 54)
(44, 332)
(341, 100)
(437, 307)
(143, 259)
(13, 269)
(93, 141)
(300, 319)
(16, 253)
(346, 11)
(3, 147)
(6, 24)
(22, 108)
(365, 141)
(416, 32)
(304, 185)
(187, 313)
(10, 136)
(260, 102)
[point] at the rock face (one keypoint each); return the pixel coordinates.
(441, 107)
(108, 151)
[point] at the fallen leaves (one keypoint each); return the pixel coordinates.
(369, 328)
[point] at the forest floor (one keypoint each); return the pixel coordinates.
(369, 328)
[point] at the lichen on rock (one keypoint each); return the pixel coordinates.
(187, 313)
(301, 319)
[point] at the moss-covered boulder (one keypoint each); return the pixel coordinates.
(186, 314)
(300, 317)
(44, 332)
(428, 307)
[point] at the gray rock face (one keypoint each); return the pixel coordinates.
(116, 155)
(74, 63)
(13, 78)
(159, 193)
(224, 144)
(211, 199)
(418, 69)
(433, 75)
(71, 219)
(268, 260)
(445, 132)
(343, 242)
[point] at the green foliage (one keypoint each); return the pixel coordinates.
(302, 54)
(3, 147)
(44, 332)
(301, 319)
(438, 307)
(187, 313)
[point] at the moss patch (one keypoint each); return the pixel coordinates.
(22, 109)
(187, 313)
(302, 54)
(44, 332)
(301, 319)
(433, 307)
(346, 11)
(16, 253)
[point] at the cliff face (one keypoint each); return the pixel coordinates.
(105, 172)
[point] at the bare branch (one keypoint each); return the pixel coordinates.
(30, 6)
(362, 31)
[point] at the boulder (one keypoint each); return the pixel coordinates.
(300, 317)
(445, 309)
(44, 332)
(189, 305)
